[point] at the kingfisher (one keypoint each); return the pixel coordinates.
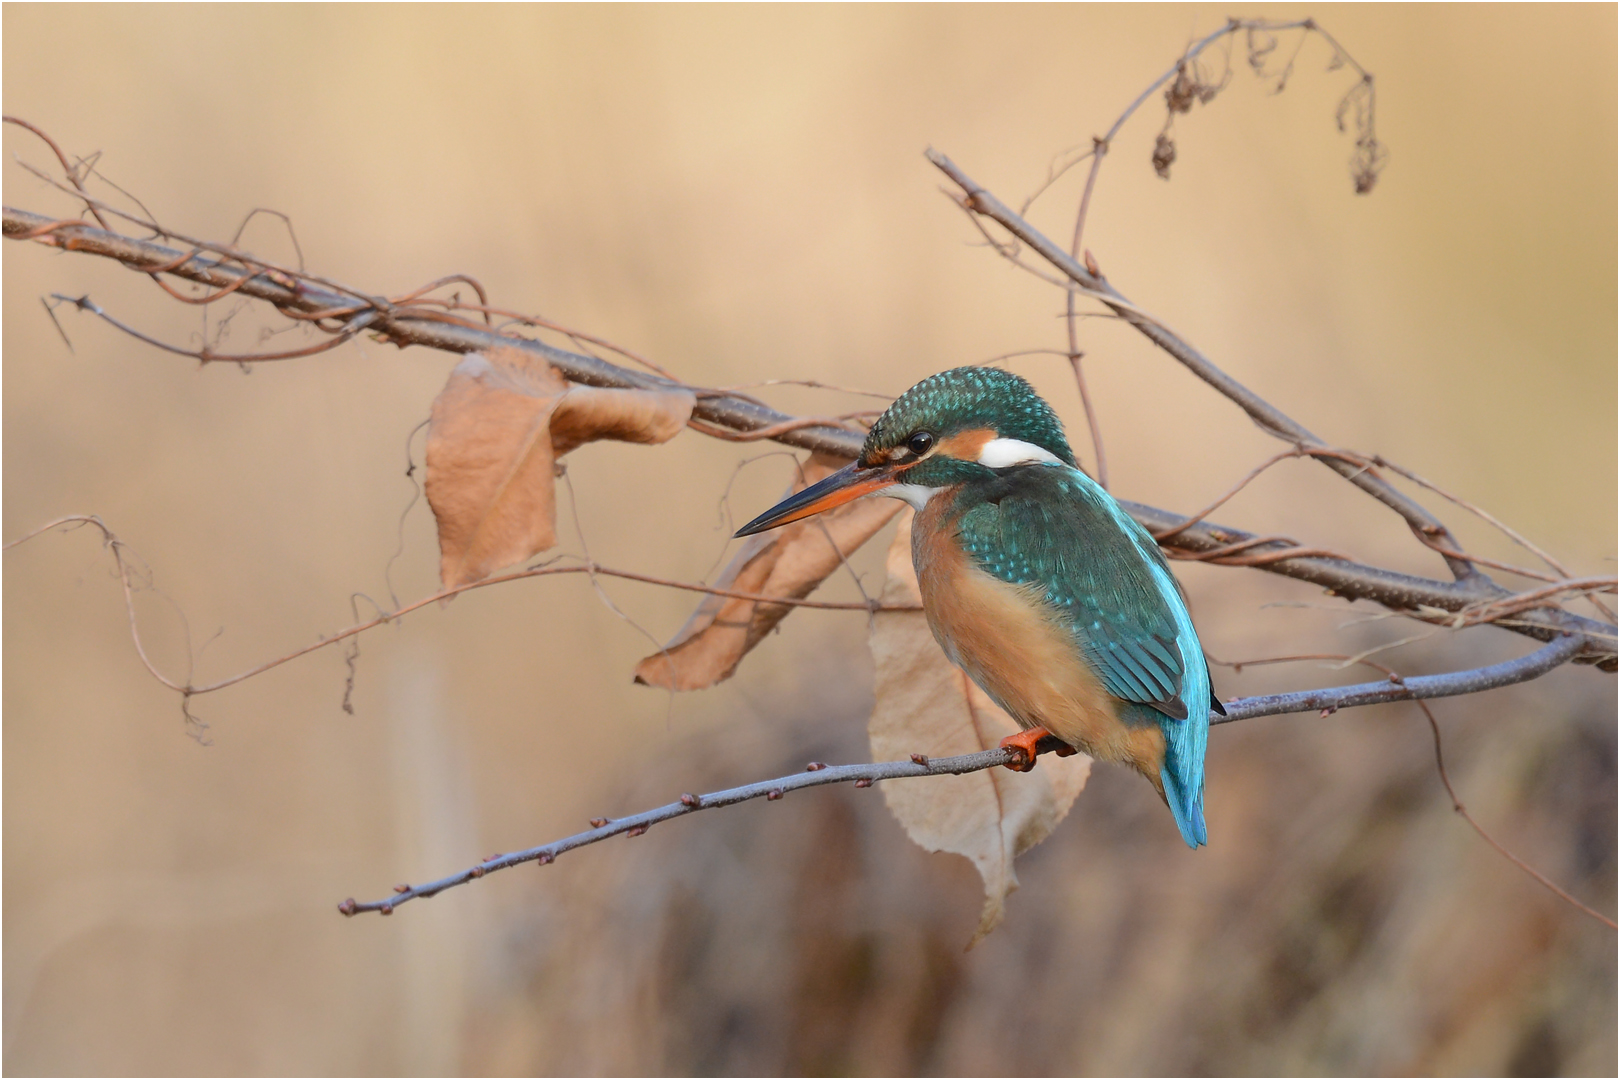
(1036, 582)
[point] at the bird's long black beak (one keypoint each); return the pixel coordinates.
(845, 485)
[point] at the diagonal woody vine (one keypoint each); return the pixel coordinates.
(343, 312)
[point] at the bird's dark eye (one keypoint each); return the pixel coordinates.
(920, 442)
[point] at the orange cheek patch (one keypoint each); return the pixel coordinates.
(965, 445)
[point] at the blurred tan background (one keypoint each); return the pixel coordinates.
(740, 193)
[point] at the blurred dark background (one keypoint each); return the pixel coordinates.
(739, 193)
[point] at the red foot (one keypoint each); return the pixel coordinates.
(1027, 743)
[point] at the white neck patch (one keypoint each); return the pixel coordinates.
(915, 494)
(1003, 453)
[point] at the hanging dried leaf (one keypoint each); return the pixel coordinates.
(498, 427)
(788, 562)
(1164, 155)
(590, 413)
(927, 705)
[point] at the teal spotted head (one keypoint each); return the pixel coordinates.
(957, 426)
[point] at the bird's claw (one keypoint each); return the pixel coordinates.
(1027, 744)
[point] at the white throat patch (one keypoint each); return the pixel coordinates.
(1003, 453)
(915, 494)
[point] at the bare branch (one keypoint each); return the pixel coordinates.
(1300, 451)
(1424, 525)
(1411, 688)
(1473, 681)
(1269, 418)
(402, 325)
(1351, 580)
(1405, 594)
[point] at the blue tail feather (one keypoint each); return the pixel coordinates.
(1186, 740)
(1184, 786)
(1182, 773)
(1183, 769)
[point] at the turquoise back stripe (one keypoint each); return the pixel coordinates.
(1185, 740)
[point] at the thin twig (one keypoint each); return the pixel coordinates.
(117, 547)
(69, 171)
(575, 335)
(1457, 805)
(1490, 611)
(1075, 359)
(812, 384)
(1365, 462)
(589, 568)
(1440, 766)
(1458, 682)
(1479, 512)
(292, 234)
(1244, 552)
(1284, 455)
(774, 430)
(206, 354)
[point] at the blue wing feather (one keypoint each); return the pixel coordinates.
(1124, 607)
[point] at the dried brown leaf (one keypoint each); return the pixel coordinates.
(590, 413)
(787, 562)
(1164, 155)
(498, 427)
(927, 705)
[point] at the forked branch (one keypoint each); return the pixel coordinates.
(1363, 474)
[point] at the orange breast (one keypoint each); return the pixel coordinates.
(1012, 644)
